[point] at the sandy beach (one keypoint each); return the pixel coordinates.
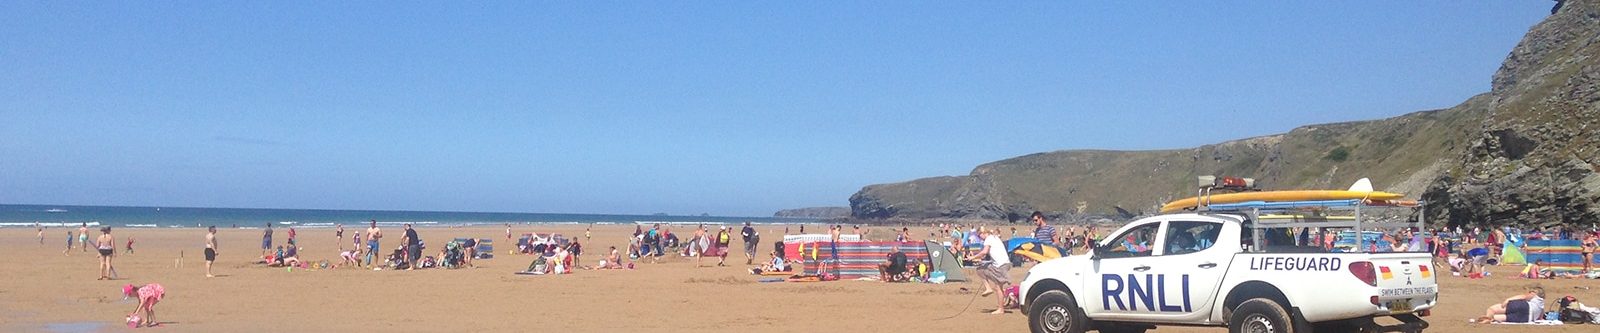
(49, 291)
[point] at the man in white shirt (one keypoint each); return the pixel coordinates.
(994, 266)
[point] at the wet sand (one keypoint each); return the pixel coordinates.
(46, 290)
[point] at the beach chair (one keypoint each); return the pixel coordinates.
(485, 248)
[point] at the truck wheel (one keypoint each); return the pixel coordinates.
(1055, 312)
(1259, 315)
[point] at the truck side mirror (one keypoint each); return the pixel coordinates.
(1094, 253)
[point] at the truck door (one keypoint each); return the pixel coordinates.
(1121, 257)
(1186, 270)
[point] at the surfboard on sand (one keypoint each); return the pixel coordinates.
(1271, 196)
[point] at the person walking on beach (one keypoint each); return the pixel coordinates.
(211, 248)
(266, 240)
(83, 237)
(107, 246)
(697, 247)
(508, 233)
(338, 235)
(68, 251)
(723, 240)
(373, 235)
(41, 233)
(751, 239)
(413, 247)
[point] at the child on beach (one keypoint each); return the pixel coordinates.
(130, 245)
(68, 251)
(148, 296)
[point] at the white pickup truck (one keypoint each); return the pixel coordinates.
(1237, 268)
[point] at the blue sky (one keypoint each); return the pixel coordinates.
(729, 108)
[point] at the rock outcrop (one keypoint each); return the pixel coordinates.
(1537, 159)
(815, 212)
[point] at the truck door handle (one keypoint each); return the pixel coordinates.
(1208, 265)
(1141, 268)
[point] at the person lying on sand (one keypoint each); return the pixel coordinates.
(1523, 308)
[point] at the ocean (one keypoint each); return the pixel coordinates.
(24, 216)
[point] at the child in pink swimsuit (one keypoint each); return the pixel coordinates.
(148, 296)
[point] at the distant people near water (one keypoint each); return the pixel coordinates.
(211, 249)
(508, 233)
(107, 246)
(373, 236)
(751, 240)
(83, 237)
(68, 251)
(41, 233)
(129, 248)
(993, 267)
(266, 239)
(413, 247)
(338, 235)
(148, 296)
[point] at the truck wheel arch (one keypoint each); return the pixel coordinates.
(1042, 286)
(1250, 290)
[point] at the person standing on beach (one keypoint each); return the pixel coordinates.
(751, 239)
(211, 248)
(413, 247)
(833, 245)
(41, 233)
(1042, 230)
(338, 235)
(68, 251)
(266, 240)
(508, 233)
(107, 246)
(373, 235)
(83, 237)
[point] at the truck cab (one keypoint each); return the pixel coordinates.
(1243, 267)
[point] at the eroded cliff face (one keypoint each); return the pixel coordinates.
(1535, 160)
(1401, 154)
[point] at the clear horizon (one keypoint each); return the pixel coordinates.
(726, 108)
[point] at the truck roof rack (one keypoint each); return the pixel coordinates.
(1353, 214)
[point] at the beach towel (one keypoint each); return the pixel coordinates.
(1540, 322)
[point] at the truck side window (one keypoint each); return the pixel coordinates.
(1185, 237)
(1137, 242)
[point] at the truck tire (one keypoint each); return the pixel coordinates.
(1259, 315)
(1056, 312)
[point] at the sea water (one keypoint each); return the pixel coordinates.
(24, 216)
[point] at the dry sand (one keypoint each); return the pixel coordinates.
(45, 290)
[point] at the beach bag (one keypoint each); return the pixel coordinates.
(1575, 316)
(936, 277)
